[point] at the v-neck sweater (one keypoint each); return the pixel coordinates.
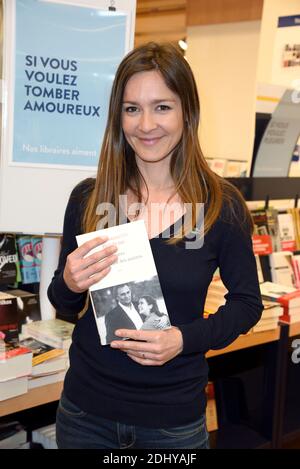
(105, 381)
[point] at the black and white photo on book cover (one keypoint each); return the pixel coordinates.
(130, 296)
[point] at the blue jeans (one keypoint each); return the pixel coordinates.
(76, 429)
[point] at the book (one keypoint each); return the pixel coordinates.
(265, 325)
(281, 268)
(54, 332)
(8, 317)
(37, 247)
(8, 259)
(272, 291)
(259, 269)
(44, 357)
(271, 310)
(15, 361)
(296, 269)
(28, 306)
(130, 296)
(27, 264)
(13, 387)
(286, 232)
(48, 378)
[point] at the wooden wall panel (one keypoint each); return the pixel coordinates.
(201, 12)
(160, 20)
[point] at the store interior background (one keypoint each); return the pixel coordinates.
(230, 50)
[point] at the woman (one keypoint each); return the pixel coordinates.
(154, 319)
(149, 391)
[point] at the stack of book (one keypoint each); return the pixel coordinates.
(215, 296)
(287, 297)
(49, 364)
(15, 367)
(54, 332)
(50, 341)
(269, 318)
(15, 360)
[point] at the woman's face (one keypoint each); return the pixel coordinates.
(144, 307)
(151, 116)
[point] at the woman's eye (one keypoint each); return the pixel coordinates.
(163, 107)
(131, 109)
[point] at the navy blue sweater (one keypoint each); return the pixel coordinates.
(105, 381)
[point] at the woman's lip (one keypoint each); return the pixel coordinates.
(150, 141)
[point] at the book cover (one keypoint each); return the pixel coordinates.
(40, 351)
(28, 306)
(27, 264)
(9, 317)
(130, 296)
(287, 232)
(37, 247)
(8, 259)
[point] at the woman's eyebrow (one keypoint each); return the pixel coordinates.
(154, 101)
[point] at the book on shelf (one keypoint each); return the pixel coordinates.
(295, 214)
(15, 361)
(286, 232)
(44, 357)
(8, 259)
(287, 297)
(47, 378)
(54, 332)
(291, 307)
(271, 310)
(296, 269)
(28, 306)
(13, 387)
(273, 291)
(130, 296)
(8, 317)
(259, 269)
(281, 268)
(265, 325)
(215, 296)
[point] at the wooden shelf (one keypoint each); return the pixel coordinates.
(248, 340)
(52, 392)
(294, 329)
(33, 398)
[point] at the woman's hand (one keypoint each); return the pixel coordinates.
(153, 348)
(82, 270)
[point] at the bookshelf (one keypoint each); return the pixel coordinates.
(52, 392)
(276, 380)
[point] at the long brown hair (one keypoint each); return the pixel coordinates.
(118, 171)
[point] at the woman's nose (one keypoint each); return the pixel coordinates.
(147, 122)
